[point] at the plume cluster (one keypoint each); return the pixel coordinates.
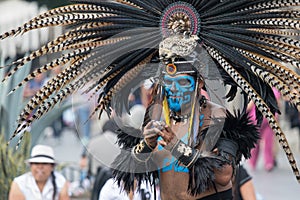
(109, 44)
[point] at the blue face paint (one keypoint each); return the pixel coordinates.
(179, 90)
(201, 120)
(171, 164)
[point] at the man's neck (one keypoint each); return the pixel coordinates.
(41, 185)
(181, 116)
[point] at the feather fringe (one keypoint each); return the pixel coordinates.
(126, 170)
(201, 174)
(239, 128)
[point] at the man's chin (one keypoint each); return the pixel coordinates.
(175, 108)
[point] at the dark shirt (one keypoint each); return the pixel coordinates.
(241, 178)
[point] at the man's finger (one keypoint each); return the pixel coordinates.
(151, 135)
(168, 128)
(162, 143)
(159, 124)
(149, 125)
(152, 130)
(166, 137)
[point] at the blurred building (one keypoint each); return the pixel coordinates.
(14, 13)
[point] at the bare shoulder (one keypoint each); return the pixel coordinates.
(15, 192)
(216, 110)
(64, 194)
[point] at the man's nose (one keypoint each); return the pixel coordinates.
(174, 87)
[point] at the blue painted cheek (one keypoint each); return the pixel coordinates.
(187, 99)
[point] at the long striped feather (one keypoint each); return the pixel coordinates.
(261, 106)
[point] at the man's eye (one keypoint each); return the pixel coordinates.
(168, 82)
(184, 82)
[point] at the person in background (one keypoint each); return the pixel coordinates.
(243, 185)
(142, 95)
(57, 125)
(42, 182)
(34, 85)
(267, 138)
(102, 148)
(111, 191)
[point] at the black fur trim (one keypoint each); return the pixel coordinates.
(126, 169)
(201, 174)
(128, 137)
(240, 129)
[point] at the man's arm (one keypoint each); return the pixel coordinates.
(247, 191)
(64, 194)
(223, 175)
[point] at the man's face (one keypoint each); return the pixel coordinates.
(41, 171)
(179, 90)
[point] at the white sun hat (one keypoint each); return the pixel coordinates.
(41, 154)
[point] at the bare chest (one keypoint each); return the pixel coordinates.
(174, 186)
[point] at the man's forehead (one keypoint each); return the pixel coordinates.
(179, 76)
(179, 67)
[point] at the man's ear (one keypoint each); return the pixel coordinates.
(201, 90)
(201, 84)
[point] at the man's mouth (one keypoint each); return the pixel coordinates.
(179, 98)
(175, 97)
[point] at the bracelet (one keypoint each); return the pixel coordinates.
(196, 156)
(142, 147)
(141, 157)
(142, 151)
(148, 146)
(170, 147)
(185, 154)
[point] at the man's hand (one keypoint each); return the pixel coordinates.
(169, 138)
(152, 131)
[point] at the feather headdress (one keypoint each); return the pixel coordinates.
(108, 44)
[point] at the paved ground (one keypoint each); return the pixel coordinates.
(280, 184)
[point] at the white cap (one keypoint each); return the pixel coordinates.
(41, 154)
